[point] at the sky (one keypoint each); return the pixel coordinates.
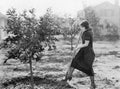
(60, 7)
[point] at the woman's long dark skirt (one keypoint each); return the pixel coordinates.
(83, 61)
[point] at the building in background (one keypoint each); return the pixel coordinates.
(106, 11)
(3, 23)
(109, 12)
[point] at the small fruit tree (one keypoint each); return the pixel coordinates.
(28, 35)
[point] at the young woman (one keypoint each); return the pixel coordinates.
(84, 58)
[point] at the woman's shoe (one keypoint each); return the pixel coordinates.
(67, 78)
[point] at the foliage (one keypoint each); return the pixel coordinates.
(70, 28)
(25, 38)
(112, 32)
(92, 18)
(29, 34)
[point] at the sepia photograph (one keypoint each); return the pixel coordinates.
(60, 44)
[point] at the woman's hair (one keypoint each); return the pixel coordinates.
(85, 24)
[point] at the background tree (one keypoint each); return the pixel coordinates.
(70, 28)
(48, 23)
(93, 19)
(73, 30)
(112, 31)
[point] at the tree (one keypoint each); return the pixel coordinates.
(48, 23)
(70, 28)
(28, 34)
(112, 31)
(92, 18)
(73, 30)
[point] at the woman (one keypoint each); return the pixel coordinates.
(84, 58)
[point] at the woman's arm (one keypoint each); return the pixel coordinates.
(78, 40)
(84, 45)
(78, 43)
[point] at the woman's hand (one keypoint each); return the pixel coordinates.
(78, 47)
(76, 50)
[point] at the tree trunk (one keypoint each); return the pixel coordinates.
(31, 74)
(71, 42)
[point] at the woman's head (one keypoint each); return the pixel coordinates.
(84, 25)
